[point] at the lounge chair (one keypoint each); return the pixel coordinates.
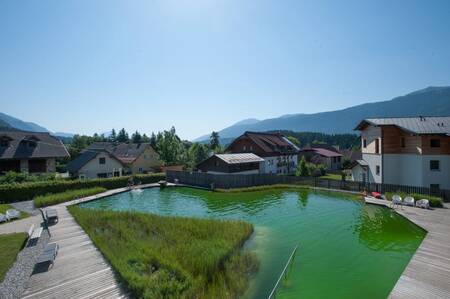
(3, 218)
(409, 201)
(49, 254)
(423, 203)
(51, 215)
(12, 214)
(396, 200)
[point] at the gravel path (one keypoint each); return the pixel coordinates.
(17, 277)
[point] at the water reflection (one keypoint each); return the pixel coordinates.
(380, 229)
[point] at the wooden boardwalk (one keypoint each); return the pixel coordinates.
(428, 273)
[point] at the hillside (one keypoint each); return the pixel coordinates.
(20, 124)
(431, 101)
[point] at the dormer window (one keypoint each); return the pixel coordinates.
(4, 141)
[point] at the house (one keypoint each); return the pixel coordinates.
(135, 157)
(95, 164)
(330, 157)
(412, 151)
(107, 159)
(280, 155)
(247, 163)
(30, 152)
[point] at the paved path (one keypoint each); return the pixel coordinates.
(80, 271)
(428, 273)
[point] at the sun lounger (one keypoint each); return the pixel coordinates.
(3, 218)
(49, 254)
(423, 203)
(396, 200)
(408, 201)
(12, 214)
(51, 215)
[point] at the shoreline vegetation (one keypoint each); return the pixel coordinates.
(172, 257)
(56, 198)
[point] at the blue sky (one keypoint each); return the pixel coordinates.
(88, 66)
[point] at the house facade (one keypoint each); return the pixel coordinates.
(411, 151)
(135, 157)
(95, 164)
(30, 152)
(247, 163)
(280, 155)
(332, 159)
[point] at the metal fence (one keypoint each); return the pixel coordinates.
(228, 181)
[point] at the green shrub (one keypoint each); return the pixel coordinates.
(29, 190)
(434, 200)
(55, 198)
(172, 257)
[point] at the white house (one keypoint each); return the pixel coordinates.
(95, 164)
(412, 151)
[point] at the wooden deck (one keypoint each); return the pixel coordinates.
(428, 273)
(80, 271)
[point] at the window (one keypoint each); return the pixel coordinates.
(377, 146)
(140, 169)
(251, 147)
(434, 165)
(403, 142)
(377, 169)
(364, 143)
(102, 160)
(435, 143)
(244, 148)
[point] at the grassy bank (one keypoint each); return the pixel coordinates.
(56, 198)
(434, 201)
(172, 257)
(10, 245)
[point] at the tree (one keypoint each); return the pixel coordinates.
(122, 136)
(145, 138)
(113, 136)
(170, 147)
(196, 154)
(294, 140)
(153, 140)
(214, 140)
(136, 137)
(302, 168)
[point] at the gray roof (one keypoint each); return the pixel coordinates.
(125, 152)
(415, 125)
(239, 158)
(27, 145)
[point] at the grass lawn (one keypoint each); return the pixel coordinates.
(5, 207)
(10, 245)
(332, 176)
(172, 257)
(56, 198)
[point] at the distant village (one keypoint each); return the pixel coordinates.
(411, 151)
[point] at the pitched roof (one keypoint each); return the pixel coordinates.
(361, 163)
(125, 152)
(26, 145)
(322, 152)
(271, 144)
(414, 125)
(86, 156)
(239, 158)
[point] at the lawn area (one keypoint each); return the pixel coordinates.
(172, 257)
(56, 198)
(332, 176)
(10, 245)
(5, 207)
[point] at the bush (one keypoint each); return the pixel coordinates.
(21, 177)
(27, 191)
(55, 198)
(434, 200)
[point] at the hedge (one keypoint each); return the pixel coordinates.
(56, 198)
(27, 191)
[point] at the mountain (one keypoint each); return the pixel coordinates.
(9, 122)
(20, 124)
(431, 101)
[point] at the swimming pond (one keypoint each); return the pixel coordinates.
(347, 249)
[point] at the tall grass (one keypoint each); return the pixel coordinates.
(172, 257)
(55, 198)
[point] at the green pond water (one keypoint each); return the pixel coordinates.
(347, 249)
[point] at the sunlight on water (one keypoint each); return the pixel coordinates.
(347, 249)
